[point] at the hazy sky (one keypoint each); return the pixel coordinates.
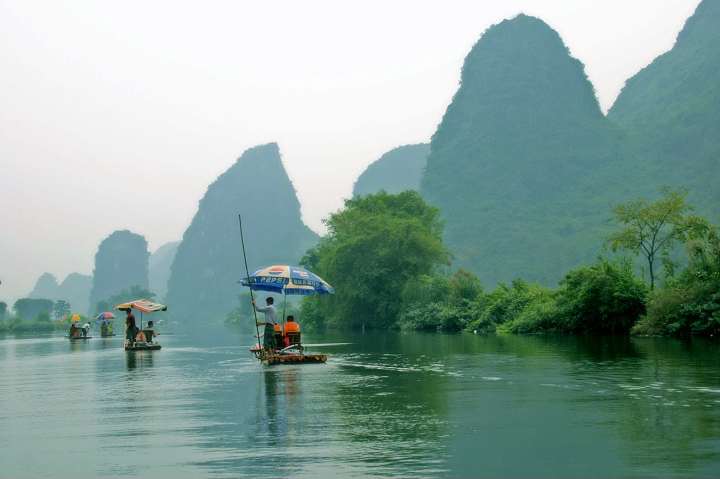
(119, 114)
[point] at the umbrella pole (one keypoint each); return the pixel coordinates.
(284, 305)
(242, 240)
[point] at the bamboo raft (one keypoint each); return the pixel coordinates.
(141, 346)
(296, 358)
(287, 358)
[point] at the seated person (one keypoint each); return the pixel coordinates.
(291, 326)
(74, 330)
(103, 327)
(140, 337)
(149, 332)
(292, 331)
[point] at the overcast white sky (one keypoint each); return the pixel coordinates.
(118, 114)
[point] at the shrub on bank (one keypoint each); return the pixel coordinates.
(16, 324)
(690, 303)
(604, 298)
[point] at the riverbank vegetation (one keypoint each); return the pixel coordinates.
(384, 256)
(41, 315)
(42, 323)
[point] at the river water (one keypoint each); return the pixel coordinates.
(386, 404)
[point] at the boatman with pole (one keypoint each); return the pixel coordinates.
(269, 343)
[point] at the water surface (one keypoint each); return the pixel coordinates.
(386, 404)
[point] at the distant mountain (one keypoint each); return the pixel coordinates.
(120, 263)
(159, 268)
(75, 290)
(203, 282)
(396, 171)
(524, 163)
(671, 110)
(46, 287)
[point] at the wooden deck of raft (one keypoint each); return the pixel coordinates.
(297, 359)
(301, 358)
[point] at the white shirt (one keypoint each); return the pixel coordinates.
(270, 313)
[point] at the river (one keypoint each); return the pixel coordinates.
(386, 404)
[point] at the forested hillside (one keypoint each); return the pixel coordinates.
(524, 163)
(159, 268)
(671, 111)
(397, 170)
(120, 263)
(203, 282)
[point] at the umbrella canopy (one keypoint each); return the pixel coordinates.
(74, 318)
(142, 305)
(105, 315)
(288, 280)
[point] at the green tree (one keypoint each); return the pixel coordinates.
(502, 309)
(604, 298)
(689, 303)
(243, 314)
(653, 229)
(61, 309)
(374, 246)
(3, 309)
(439, 301)
(29, 308)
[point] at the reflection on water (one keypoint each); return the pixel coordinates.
(385, 404)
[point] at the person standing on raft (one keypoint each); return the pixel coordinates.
(131, 329)
(269, 343)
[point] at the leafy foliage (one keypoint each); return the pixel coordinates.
(655, 228)
(374, 246)
(504, 309)
(30, 308)
(690, 303)
(604, 298)
(432, 302)
(61, 309)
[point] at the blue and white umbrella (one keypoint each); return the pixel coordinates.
(285, 279)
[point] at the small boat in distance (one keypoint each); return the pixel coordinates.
(76, 332)
(144, 340)
(105, 320)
